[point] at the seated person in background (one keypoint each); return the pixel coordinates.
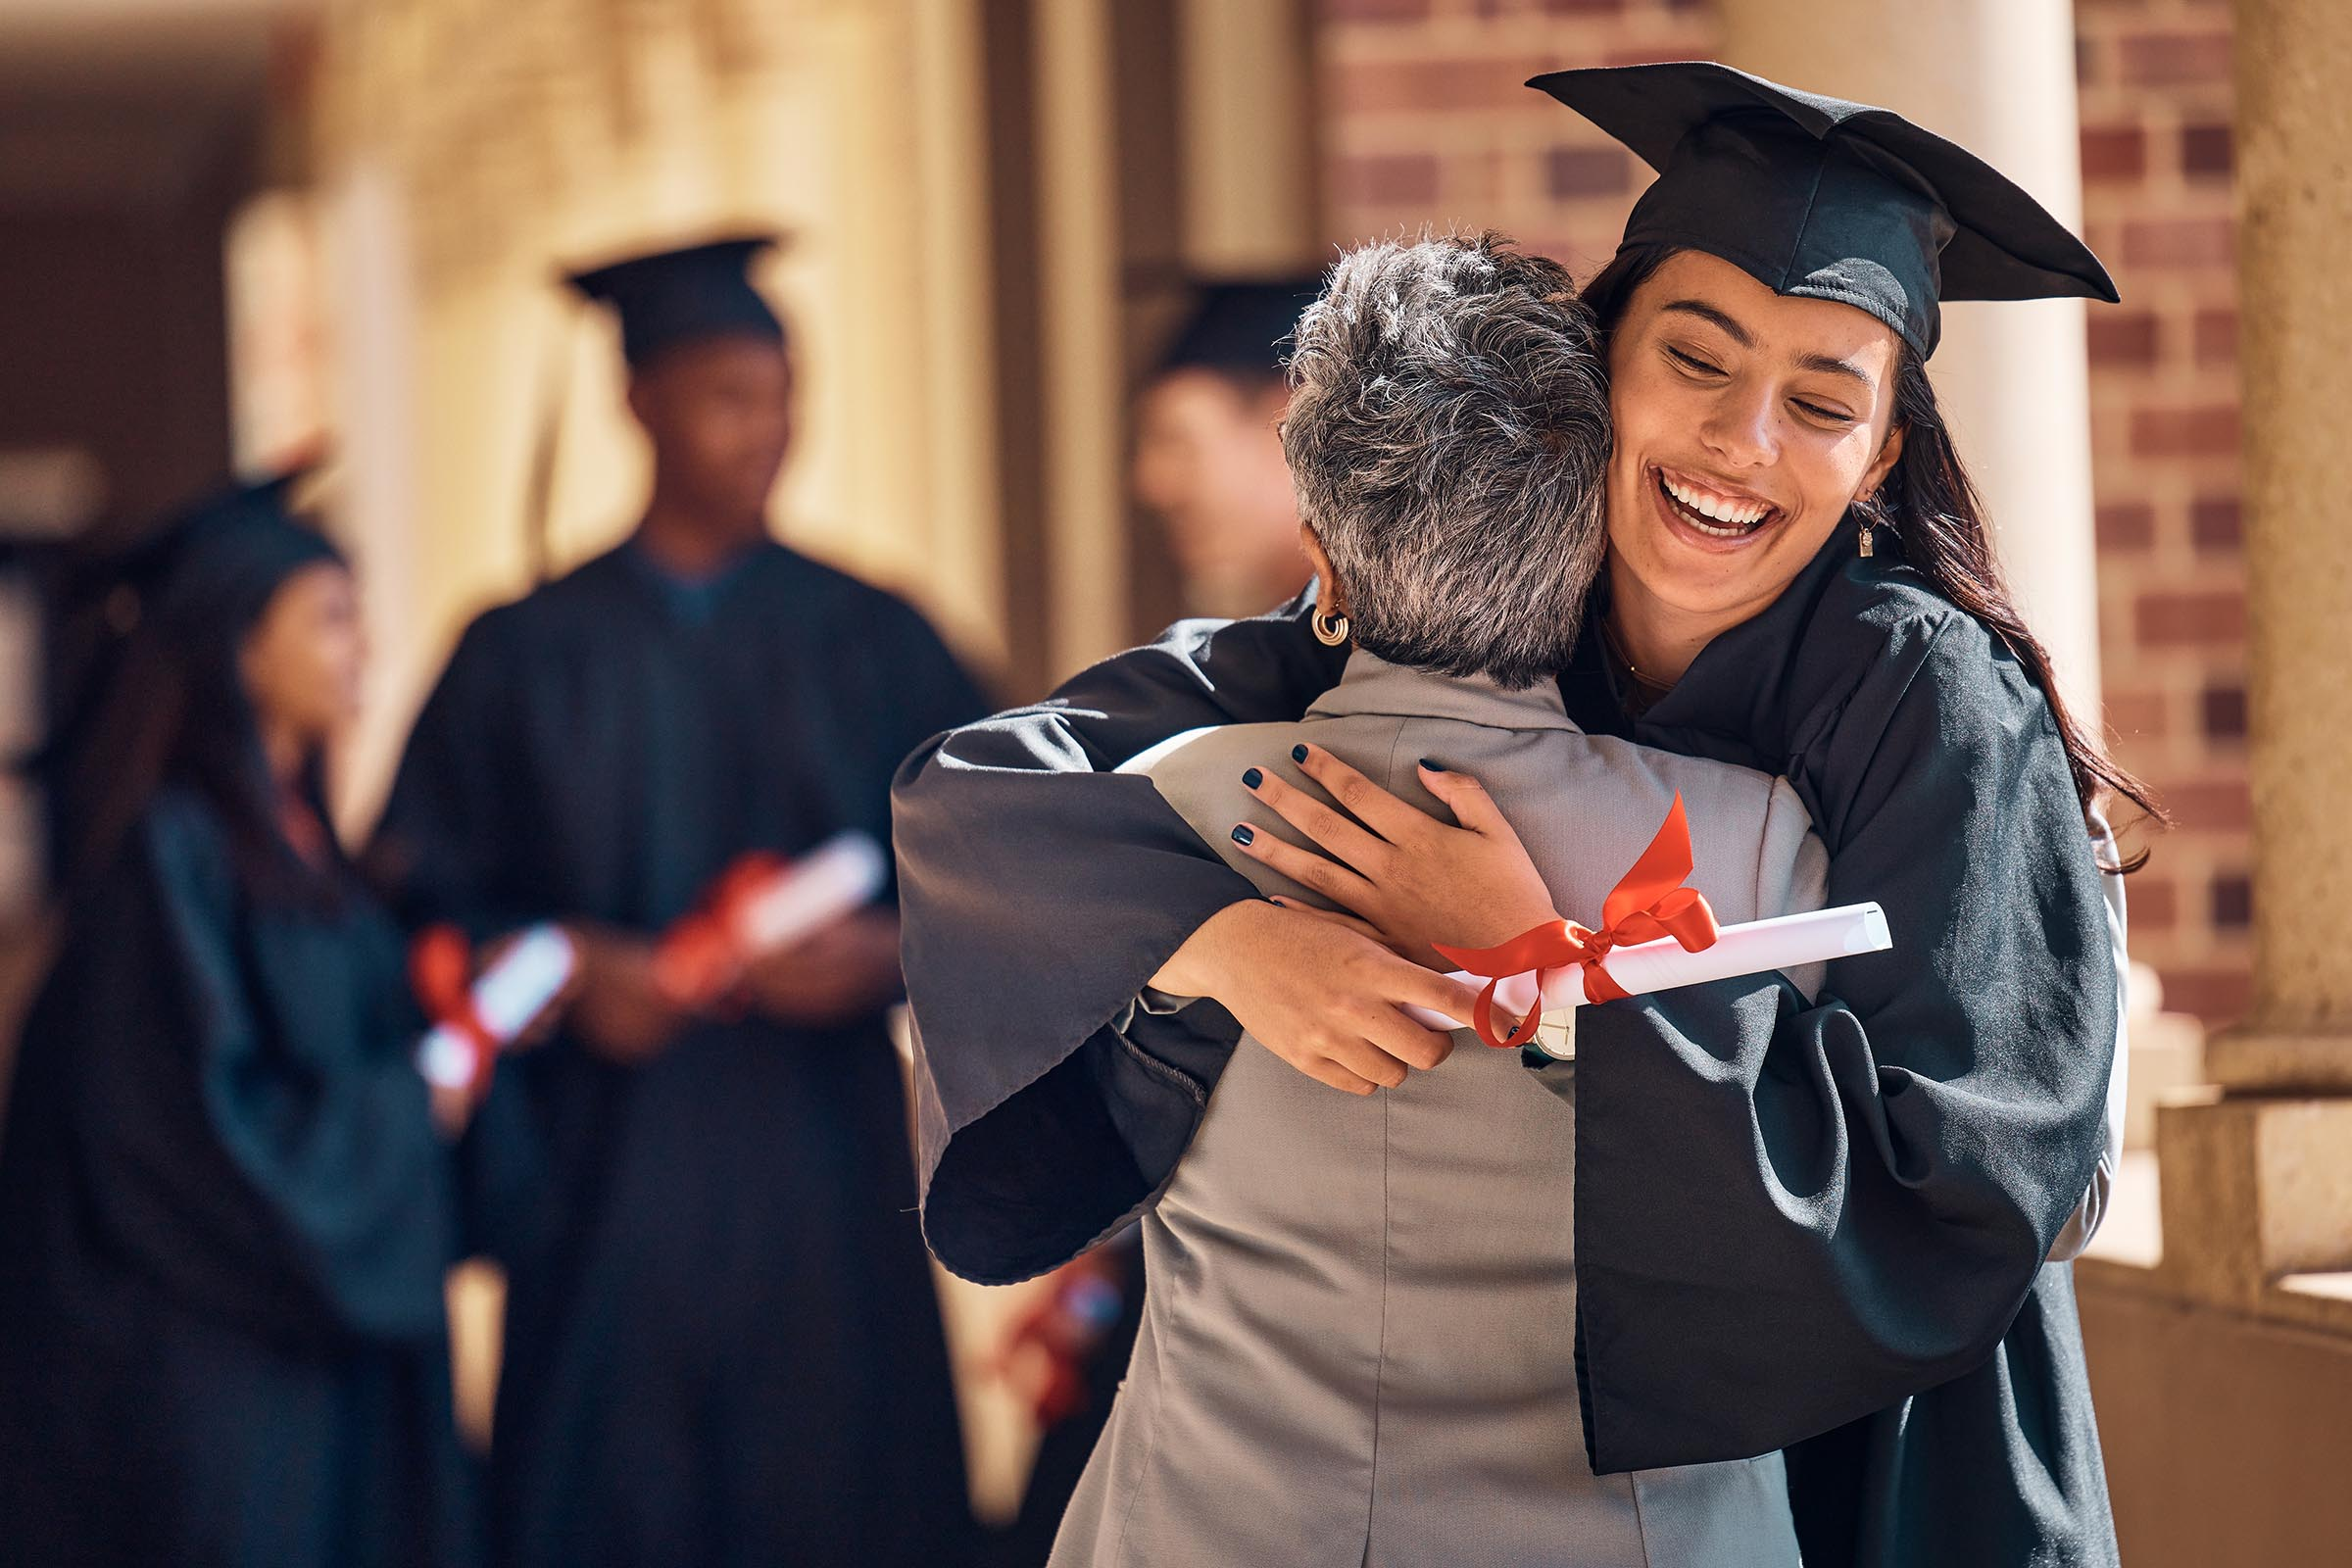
(1359, 1344)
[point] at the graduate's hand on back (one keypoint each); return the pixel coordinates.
(621, 1011)
(1415, 880)
(847, 972)
(1323, 997)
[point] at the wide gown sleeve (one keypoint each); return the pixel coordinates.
(1790, 1216)
(251, 1149)
(1039, 891)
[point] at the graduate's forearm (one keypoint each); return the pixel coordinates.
(1039, 892)
(1014, 837)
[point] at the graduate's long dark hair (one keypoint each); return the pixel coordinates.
(156, 699)
(1929, 511)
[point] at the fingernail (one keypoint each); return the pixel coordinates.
(1299, 753)
(1243, 835)
(1252, 778)
(1433, 767)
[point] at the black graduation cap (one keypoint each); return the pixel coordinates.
(215, 565)
(1825, 199)
(674, 296)
(1239, 329)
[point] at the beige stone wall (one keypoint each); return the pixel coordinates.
(2223, 1435)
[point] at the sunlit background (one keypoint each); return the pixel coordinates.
(234, 232)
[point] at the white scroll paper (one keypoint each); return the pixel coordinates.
(1754, 947)
(531, 974)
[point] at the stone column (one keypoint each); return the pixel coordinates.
(2294, 138)
(1998, 77)
(2258, 1182)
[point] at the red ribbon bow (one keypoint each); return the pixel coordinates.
(702, 955)
(1649, 903)
(441, 972)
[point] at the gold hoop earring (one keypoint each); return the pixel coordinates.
(1331, 630)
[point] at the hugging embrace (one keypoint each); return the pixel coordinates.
(1775, 1264)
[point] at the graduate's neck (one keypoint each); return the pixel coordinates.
(285, 751)
(1659, 640)
(690, 542)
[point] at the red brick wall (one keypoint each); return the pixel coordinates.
(1425, 122)
(2157, 202)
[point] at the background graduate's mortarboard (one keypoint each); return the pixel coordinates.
(1240, 329)
(1824, 198)
(217, 563)
(677, 296)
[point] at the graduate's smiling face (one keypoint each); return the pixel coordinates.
(304, 661)
(1747, 425)
(718, 412)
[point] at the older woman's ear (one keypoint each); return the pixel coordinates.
(1329, 593)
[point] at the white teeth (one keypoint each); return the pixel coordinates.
(1739, 515)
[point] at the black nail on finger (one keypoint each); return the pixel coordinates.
(1252, 778)
(1433, 767)
(1299, 753)
(1243, 835)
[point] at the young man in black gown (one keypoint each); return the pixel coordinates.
(722, 1339)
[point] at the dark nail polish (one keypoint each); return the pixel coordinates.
(1243, 835)
(1252, 778)
(1299, 753)
(1433, 767)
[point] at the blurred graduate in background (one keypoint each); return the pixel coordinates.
(224, 1207)
(1209, 449)
(722, 1339)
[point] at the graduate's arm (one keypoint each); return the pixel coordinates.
(1039, 891)
(318, 1196)
(1793, 1215)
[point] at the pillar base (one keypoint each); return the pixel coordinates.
(2255, 1187)
(2278, 1062)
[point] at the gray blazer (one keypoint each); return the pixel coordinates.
(1357, 1344)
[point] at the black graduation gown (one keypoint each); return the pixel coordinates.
(224, 1219)
(1836, 1247)
(722, 1339)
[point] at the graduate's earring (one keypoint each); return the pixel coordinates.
(1331, 630)
(1867, 508)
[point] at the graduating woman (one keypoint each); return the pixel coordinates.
(225, 1215)
(1818, 1225)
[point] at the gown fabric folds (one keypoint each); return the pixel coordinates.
(224, 1219)
(1839, 1252)
(723, 1342)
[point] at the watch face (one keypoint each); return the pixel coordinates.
(1555, 1036)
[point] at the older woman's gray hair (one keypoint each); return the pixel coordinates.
(1449, 435)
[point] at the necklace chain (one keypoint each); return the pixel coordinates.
(1616, 644)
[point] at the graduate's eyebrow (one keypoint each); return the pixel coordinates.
(1826, 364)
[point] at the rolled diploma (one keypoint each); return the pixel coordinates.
(507, 996)
(1754, 947)
(840, 874)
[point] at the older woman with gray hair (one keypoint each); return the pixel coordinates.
(1359, 1344)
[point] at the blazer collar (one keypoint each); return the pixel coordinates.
(1371, 685)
